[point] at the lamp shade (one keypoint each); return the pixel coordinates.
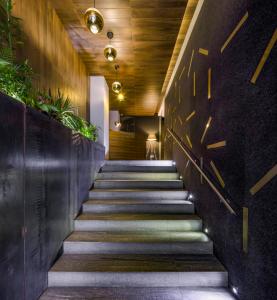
(94, 20)
(151, 137)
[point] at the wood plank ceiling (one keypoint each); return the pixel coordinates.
(145, 33)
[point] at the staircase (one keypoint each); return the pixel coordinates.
(138, 238)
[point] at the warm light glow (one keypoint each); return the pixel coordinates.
(190, 196)
(151, 137)
(117, 124)
(120, 97)
(94, 20)
(206, 230)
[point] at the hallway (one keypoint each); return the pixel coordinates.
(138, 238)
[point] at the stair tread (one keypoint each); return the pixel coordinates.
(139, 163)
(134, 201)
(137, 190)
(137, 237)
(136, 263)
(136, 217)
(139, 180)
(135, 293)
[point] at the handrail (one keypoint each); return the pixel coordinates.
(214, 188)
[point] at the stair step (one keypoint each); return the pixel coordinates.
(138, 184)
(138, 194)
(138, 206)
(138, 176)
(138, 222)
(131, 270)
(152, 163)
(130, 168)
(110, 242)
(136, 293)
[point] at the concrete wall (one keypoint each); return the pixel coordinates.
(244, 116)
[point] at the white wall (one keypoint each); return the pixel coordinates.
(99, 108)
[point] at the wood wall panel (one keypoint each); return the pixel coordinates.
(50, 52)
(126, 145)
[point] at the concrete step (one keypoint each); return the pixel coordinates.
(138, 176)
(108, 270)
(138, 194)
(138, 222)
(111, 242)
(137, 293)
(130, 168)
(155, 206)
(138, 184)
(151, 163)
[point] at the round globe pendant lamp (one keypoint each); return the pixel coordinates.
(109, 51)
(116, 87)
(94, 20)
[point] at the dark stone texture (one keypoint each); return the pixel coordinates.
(44, 178)
(245, 115)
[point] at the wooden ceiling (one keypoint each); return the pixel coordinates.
(145, 32)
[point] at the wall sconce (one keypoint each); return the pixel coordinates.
(151, 144)
(109, 51)
(94, 20)
(117, 124)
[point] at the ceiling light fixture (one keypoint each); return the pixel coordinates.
(109, 51)
(120, 97)
(116, 85)
(94, 20)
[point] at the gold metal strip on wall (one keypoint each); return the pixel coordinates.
(233, 33)
(191, 58)
(201, 167)
(203, 51)
(206, 128)
(217, 174)
(264, 180)
(217, 145)
(190, 116)
(245, 229)
(264, 57)
(209, 83)
(189, 141)
(194, 84)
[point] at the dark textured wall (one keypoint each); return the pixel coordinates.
(45, 176)
(244, 114)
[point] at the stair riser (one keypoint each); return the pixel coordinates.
(145, 225)
(138, 184)
(140, 208)
(197, 248)
(163, 195)
(141, 279)
(138, 176)
(139, 169)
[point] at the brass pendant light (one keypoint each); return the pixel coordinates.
(109, 51)
(116, 85)
(94, 20)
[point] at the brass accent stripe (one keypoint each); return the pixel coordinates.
(182, 72)
(203, 51)
(209, 83)
(191, 58)
(264, 57)
(190, 116)
(233, 33)
(245, 229)
(217, 174)
(264, 180)
(180, 120)
(189, 141)
(217, 145)
(194, 84)
(206, 128)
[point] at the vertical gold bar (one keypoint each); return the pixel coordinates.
(209, 83)
(264, 57)
(190, 116)
(194, 85)
(245, 230)
(233, 33)
(201, 166)
(217, 174)
(191, 58)
(206, 128)
(189, 141)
